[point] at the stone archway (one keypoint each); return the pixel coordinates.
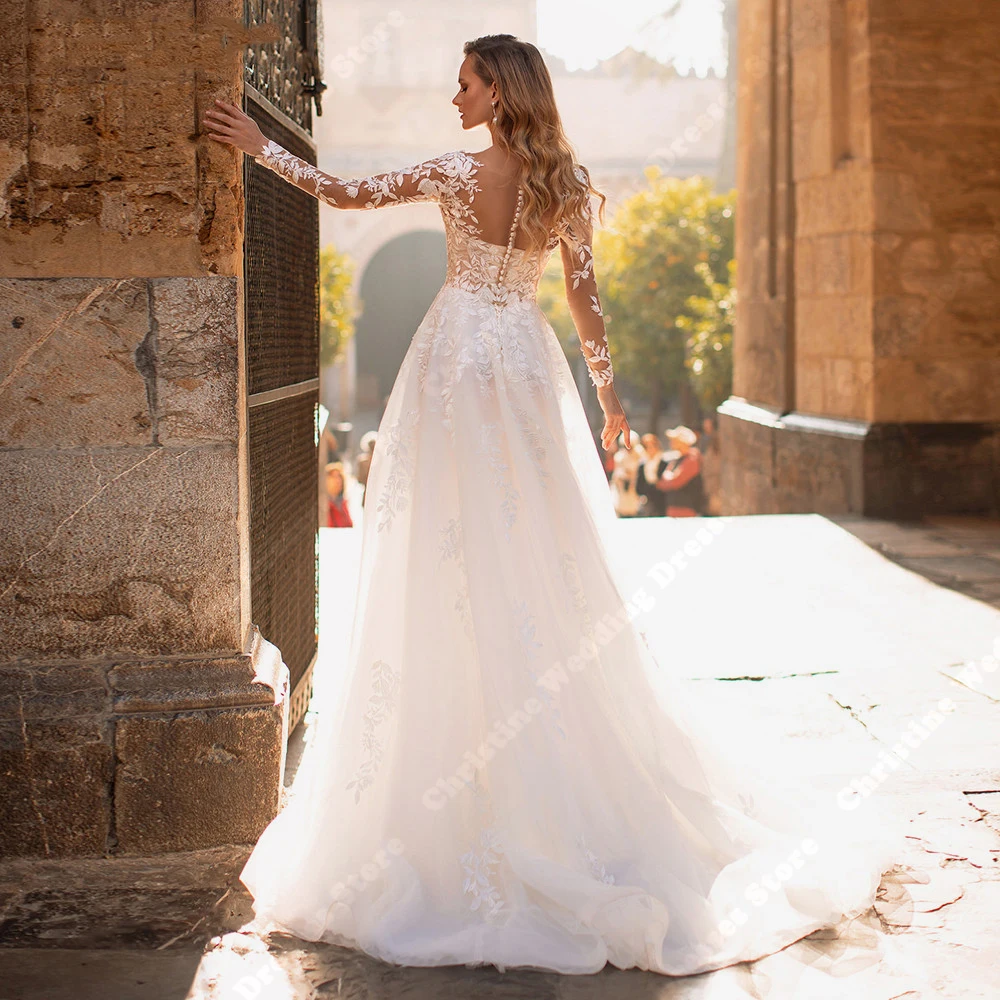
(413, 266)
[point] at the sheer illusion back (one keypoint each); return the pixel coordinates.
(472, 198)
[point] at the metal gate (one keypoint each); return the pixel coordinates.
(281, 320)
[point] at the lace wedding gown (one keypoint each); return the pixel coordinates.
(508, 776)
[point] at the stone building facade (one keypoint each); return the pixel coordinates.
(867, 346)
(131, 721)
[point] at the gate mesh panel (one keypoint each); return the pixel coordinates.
(281, 289)
(281, 261)
(283, 523)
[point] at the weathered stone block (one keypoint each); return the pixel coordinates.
(946, 389)
(832, 326)
(196, 368)
(109, 552)
(55, 787)
(197, 780)
(899, 323)
(839, 202)
(746, 456)
(53, 691)
(812, 147)
(67, 362)
(173, 685)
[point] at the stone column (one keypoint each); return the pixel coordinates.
(131, 721)
(867, 349)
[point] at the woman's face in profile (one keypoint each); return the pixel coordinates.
(474, 98)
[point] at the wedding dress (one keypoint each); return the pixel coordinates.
(509, 776)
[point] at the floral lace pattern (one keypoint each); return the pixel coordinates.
(578, 257)
(431, 180)
(481, 863)
(533, 439)
(381, 702)
(489, 447)
(574, 586)
(473, 263)
(597, 868)
(396, 491)
(451, 548)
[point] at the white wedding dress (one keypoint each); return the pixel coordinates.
(508, 776)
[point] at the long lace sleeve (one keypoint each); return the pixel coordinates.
(425, 181)
(576, 243)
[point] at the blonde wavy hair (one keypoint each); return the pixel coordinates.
(529, 127)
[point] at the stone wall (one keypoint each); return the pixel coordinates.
(866, 347)
(935, 98)
(126, 651)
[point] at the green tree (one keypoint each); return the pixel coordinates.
(337, 307)
(649, 270)
(710, 339)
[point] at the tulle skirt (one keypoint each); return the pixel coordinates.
(508, 775)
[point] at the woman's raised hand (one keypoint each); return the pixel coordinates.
(231, 125)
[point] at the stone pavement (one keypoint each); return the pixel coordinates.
(831, 636)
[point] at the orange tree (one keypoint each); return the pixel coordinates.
(667, 246)
(337, 307)
(664, 251)
(709, 328)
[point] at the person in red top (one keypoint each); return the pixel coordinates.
(337, 516)
(682, 480)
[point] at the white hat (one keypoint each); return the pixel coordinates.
(683, 434)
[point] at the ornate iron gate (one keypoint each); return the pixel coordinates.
(281, 317)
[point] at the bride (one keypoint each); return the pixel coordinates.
(508, 776)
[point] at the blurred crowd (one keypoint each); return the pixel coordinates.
(646, 479)
(679, 481)
(343, 477)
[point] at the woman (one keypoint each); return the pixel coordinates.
(682, 482)
(338, 514)
(506, 778)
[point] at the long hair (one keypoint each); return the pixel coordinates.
(529, 127)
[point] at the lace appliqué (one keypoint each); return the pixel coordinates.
(432, 180)
(451, 548)
(533, 439)
(526, 630)
(459, 335)
(579, 242)
(525, 633)
(381, 702)
(490, 449)
(574, 586)
(601, 355)
(597, 869)
(395, 493)
(481, 863)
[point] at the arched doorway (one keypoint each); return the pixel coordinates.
(412, 267)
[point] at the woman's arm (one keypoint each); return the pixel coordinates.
(425, 181)
(583, 297)
(584, 302)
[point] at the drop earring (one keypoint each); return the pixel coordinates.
(494, 112)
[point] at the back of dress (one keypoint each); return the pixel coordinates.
(479, 211)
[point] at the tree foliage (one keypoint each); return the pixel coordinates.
(337, 308)
(667, 245)
(710, 339)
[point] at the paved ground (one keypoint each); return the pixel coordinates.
(831, 637)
